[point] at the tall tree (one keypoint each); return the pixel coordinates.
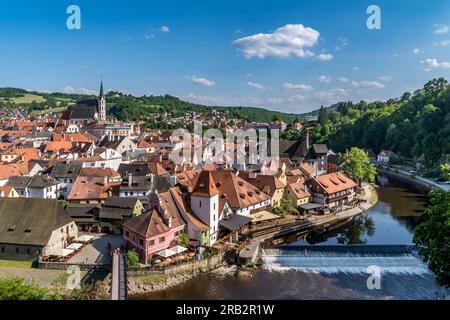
(323, 115)
(357, 166)
(433, 235)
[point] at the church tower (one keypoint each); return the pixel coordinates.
(101, 104)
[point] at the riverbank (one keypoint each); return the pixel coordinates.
(411, 178)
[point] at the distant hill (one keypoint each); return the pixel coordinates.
(128, 107)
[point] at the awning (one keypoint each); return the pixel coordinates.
(63, 252)
(166, 253)
(84, 239)
(235, 223)
(263, 215)
(311, 206)
(74, 246)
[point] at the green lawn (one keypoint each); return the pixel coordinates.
(61, 109)
(16, 264)
(28, 98)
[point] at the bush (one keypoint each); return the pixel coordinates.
(183, 240)
(17, 289)
(132, 259)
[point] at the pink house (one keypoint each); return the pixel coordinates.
(154, 231)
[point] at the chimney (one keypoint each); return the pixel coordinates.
(130, 179)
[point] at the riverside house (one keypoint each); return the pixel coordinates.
(333, 190)
(155, 230)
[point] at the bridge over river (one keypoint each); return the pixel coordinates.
(345, 258)
(119, 283)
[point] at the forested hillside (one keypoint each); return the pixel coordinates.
(415, 125)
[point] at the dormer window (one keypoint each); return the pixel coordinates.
(11, 229)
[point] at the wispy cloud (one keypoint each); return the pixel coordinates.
(72, 90)
(325, 57)
(416, 51)
(443, 43)
(332, 96)
(441, 29)
(289, 40)
(341, 43)
(368, 84)
(433, 63)
(324, 79)
(201, 81)
(343, 79)
(297, 86)
(255, 85)
(164, 29)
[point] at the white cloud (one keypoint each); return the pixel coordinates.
(441, 29)
(255, 85)
(325, 57)
(432, 63)
(275, 101)
(368, 84)
(72, 90)
(324, 79)
(416, 51)
(297, 98)
(355, 69)
(297, 86)
(291, 39)
(343, 79)
(443, 43)
(164, 29)
(332, 96)
(342, 42)
(385, 78)
(201, 81)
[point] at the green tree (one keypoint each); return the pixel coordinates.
(357, 166)
(323, 115)
(17, 289)
(433, 235)
(444, 170)
(285, 208)
(183, 240)
(132, 259)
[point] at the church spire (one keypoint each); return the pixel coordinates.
(101, 109)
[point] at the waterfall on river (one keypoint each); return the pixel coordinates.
(352, 261)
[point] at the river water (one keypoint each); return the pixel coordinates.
(390, 221)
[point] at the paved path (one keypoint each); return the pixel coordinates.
(97, 252)
(444, 187)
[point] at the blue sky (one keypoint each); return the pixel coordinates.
(291, 56)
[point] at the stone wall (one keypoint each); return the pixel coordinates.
(192, 266)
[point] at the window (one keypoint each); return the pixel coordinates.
(151, 243)
(141, 242)
(28, 251)
(214, 206)
(200, 204)
(162, 239)
(17, 250)
(127, 233)
(3, 249)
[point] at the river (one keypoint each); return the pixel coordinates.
(390, 221)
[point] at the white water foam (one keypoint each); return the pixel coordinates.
(335, 262)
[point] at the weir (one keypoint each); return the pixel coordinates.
(345, 258)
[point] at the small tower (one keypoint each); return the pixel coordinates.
(101, 104)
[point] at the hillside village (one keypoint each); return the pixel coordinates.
(69, 179)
